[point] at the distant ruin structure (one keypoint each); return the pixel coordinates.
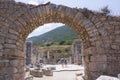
(77, 47)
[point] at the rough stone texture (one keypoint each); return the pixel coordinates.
(48, 72)
(36, 73)
(100, 34)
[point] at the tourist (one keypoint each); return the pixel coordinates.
(62, 61)
(41, 63)
(65, 62)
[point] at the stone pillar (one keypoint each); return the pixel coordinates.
(11, 65)
(28, 52)
(11, 56)
(48, 54)
(11, 69)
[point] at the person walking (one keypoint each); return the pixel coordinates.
(62, 62)
(65, 62)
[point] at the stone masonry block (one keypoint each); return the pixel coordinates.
(12, 36)
(115, 46)
(36, 73)
(99, 58)
(2, 39)
(9, 46)
(2, 78)
(93, 66)
(1, 46)
(13, 32)
(15, 70)
(14, 63)
(10, 41)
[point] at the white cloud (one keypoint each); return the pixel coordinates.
(33, 2)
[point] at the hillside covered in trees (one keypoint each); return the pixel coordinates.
(60, 36)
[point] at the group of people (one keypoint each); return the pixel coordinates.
(64, 62)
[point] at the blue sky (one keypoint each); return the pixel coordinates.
(113, 5)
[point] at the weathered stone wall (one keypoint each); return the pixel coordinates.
(104, 54)
(100, 34)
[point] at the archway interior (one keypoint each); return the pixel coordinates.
(28, 17)
(69, 34)
(77, 42)
(78, 29)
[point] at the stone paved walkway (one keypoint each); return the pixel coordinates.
(67, 73)
(62, 75)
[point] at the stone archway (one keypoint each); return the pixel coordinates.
(100, 34)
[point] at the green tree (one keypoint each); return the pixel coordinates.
(62, 43)
(105, 10)
(48, 44)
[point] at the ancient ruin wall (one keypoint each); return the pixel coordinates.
(100, 34)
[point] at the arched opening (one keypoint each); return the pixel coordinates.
(27, 21)
(74, 19)
(93, 28)
(51, 52)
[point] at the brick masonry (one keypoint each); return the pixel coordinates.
(99, 32)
